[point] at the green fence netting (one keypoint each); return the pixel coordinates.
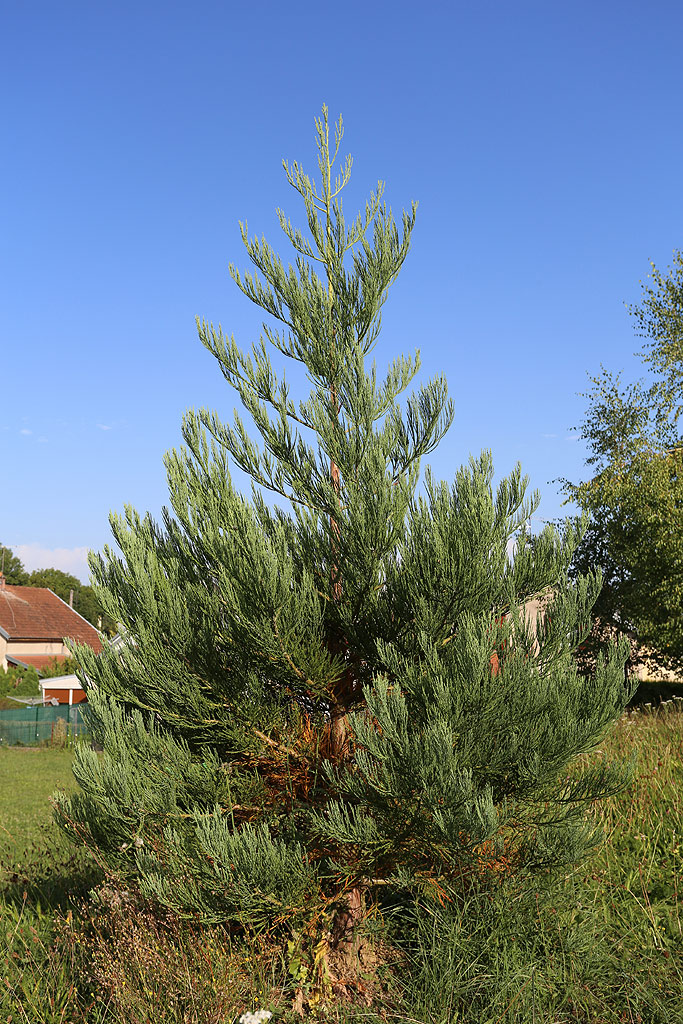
(31, 726)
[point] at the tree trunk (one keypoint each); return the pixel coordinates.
(347, 919)
(345, 924)
(339, 731)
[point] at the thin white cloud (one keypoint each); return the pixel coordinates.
(103, 426)
(549, 435)
(72, 560)
(572, 437)
(25, 431)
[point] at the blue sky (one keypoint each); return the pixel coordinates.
(544, 143)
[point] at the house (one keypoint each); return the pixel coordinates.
(640, 665)
(34, 623)
(63, 689)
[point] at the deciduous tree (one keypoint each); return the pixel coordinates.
(12, 567)
(635, 493)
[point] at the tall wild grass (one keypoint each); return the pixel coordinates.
(603, 945)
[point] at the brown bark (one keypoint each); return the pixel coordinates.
(347, 919)
(339, 732)
(346, 922)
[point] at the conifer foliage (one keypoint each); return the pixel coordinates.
(333, 694)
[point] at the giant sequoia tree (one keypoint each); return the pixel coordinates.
(336, 693)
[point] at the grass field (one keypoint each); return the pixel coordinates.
(28, 776)
(605, 946)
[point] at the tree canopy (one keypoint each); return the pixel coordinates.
(12, 567)
(635, 492)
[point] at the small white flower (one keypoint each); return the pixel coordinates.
(138, 842)
(257, 1017)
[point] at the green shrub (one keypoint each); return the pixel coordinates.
(54, 668)
(19, 682)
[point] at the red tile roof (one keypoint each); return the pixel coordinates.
(37, 661)
(35, 613)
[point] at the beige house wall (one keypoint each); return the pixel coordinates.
(38, 647)
(643, 667)
(17, 648)
(531, 610)
(650, 670)
(535, 606)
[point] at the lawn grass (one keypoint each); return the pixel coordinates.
(604, 947)
(28, 777)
